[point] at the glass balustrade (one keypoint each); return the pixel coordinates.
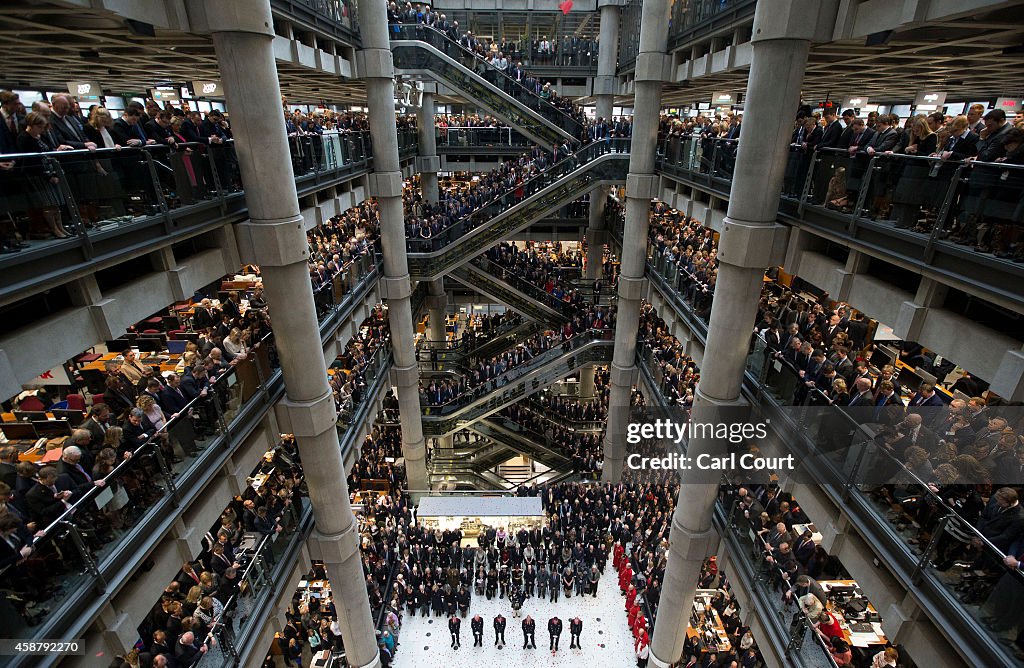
(478, 137)
(937, 201)
(87, 195)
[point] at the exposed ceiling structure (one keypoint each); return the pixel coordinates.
(48, 46)
(975, 57)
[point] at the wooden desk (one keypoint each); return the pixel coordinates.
(170, 365)
(855, 639)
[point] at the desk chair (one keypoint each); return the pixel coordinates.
(31, 404)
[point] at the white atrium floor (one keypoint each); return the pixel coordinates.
(606, 638)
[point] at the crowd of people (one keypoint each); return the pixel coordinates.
(339, 241)
(463, 201)
(675, 371)
(349, 382)
(196, 609)
(687, 252)
(915, 160)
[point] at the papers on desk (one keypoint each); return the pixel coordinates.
(867, 639)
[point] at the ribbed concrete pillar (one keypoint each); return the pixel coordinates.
(587, 381)
(436, 308)
(607, 58)
(427, 163)
(596, 231)
(781, 40)
(427, 166)
(377, 68)
(274, 238)
(641, 187)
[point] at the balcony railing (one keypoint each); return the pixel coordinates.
(114, 200)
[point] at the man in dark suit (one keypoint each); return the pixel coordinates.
(13, 121)
(862, 397)
(128, 131)
(72, 476)
(205, 315)
(44, 501)
(172, 399)
(833, 329)
(159, 129)
(911, 432)
(927, 403)
(96, 425)
(8, 465)
(67, 125)
(857, 329)
(833, 130)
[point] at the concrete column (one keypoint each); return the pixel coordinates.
(436, 308)
(587, 381)
(427, 164)
(596, 233)
(607, 57)
(385, 183)
(641, 187)
(273, 237)
(781, 40)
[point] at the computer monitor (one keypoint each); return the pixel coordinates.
(74, 417)
(52, 428)
(176, 347)
(28, 416)
(146, 345)
(118, 345)
(19, 431)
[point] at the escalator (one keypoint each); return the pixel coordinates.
(422, 51)
(457, 360)
(499, 284)
(598, 163)
(549, 367)
(508, 433)
(552, 416)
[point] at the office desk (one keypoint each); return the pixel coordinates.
(798, 529)
(705, 613)
(856, 639)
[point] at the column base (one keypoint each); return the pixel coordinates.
(375, 663)
(655, 662)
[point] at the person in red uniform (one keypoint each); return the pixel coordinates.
(617, 556)
(630, 596)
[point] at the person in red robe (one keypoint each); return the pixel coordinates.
(625, 577)
(634, 610)
(617, 556)
(630, 597)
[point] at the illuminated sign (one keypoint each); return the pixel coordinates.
(85, 90)
(934, 99)
(207, 89)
